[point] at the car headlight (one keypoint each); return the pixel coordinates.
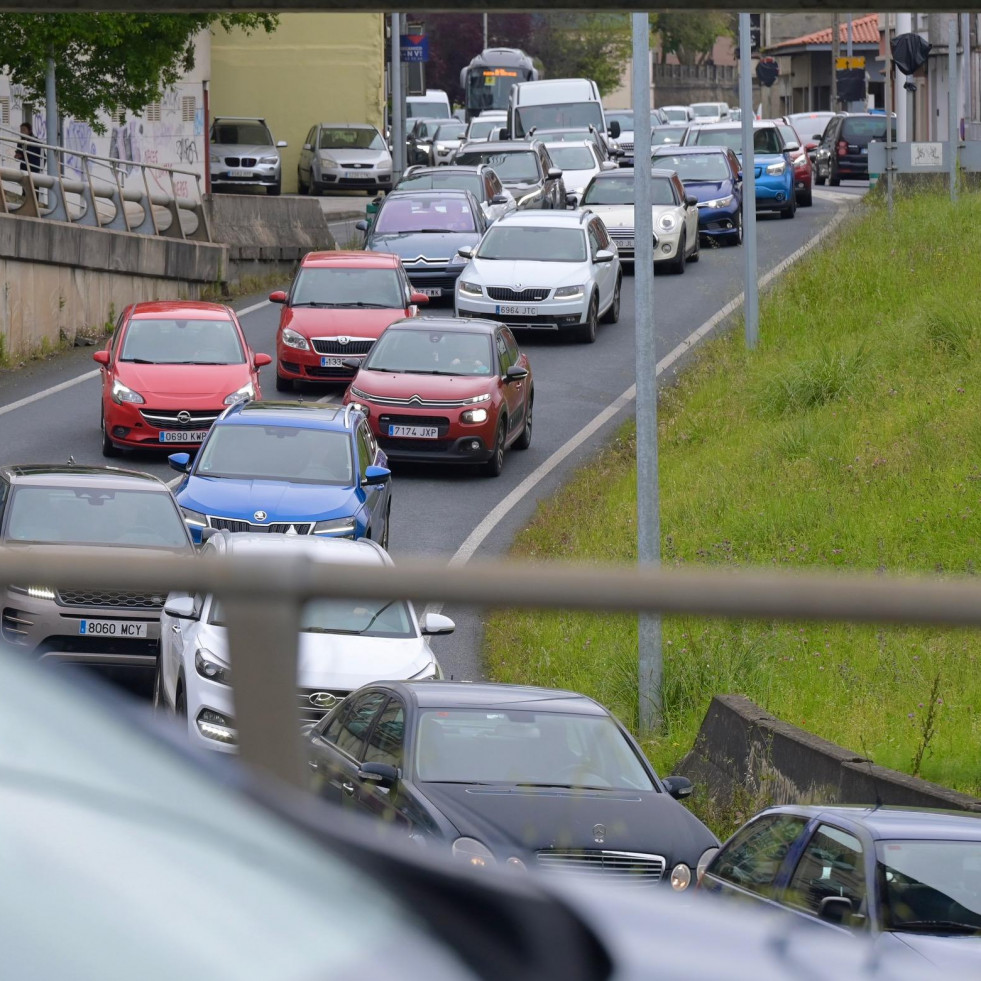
(365, 410)
(36, 592)
(799, 161)
(474, 415)
(247, 391)
(194, 519)
(457, 260)
(429, 672)
(569, 293)
(268, 160)
(680, 877)
(338, 527)
(215, 157)
(717, 203)
(214, 725)
(292, 339)
(477, 398)
(470, 289)
(424, 146)
(704, 860)
(472, 852)
(212, 668)
(327, 160)
(121, 394)
(667, 223)
(358, 394)
(776, 168)
(442, 148)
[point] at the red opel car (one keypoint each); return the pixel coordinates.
(337, 307)
(169, 370)
(447, 390)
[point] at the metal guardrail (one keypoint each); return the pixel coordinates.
(93, 191)
(263, 604)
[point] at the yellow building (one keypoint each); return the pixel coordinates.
(313, 68)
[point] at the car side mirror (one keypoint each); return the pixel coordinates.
(677, 787)
(791, 147)
(277, 296)
(739, 175)
(691, 200)
(353, 363)
(818, 137)
(181, 462)
(281, 145)
(604, 255)
(608, 165)
(466, 251)
(614, 129)
(361, 226)
(502, 133)
(554, 173)
(101, 357)
(810, 145)
(431, 624)
(261, 360)
(307, 146)
(376, 475)
(836, 909)
(180, 608)
(384, 775)
(515, 373)
(418, 298)
(499, 199)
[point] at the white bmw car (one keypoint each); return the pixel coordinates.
(611, 196)
(343, 644)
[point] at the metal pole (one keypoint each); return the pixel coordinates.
(848, 52)
(650, 667)
(966, 69)
(485, 30)
(51, 117)
(398, 134)
(888, 89)
(952, 100)
(751, 297)
(835, 53)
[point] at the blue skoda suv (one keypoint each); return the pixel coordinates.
(289, 467)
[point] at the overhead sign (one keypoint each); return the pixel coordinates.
(415, 48)
(842, 63)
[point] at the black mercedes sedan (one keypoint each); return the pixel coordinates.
(528, 778)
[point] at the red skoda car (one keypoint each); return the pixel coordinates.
(337, 307)
(447, 390)
(169, 370)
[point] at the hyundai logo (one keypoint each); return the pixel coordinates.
(324, 699)
(183, 417)
(599, 833)
(260, 516)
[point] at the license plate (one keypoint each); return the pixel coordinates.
(112, 628)
(240, 172)
(360, 177)
(517, 311)
(332, 363)
(865, 149)
(414, 432)
(431, 291)
(623, 243)
(183, 435)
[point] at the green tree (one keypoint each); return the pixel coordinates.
(104, 61)
(594, 45)
(691, 37)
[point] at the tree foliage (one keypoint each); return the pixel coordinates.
(691, 37)
(104, 61)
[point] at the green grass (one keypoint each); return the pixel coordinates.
(851, 439)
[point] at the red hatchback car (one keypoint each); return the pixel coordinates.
(169, 370)
(801, 162)
(447, 390)
(337, 307)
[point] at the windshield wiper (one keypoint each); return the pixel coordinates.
(310, 303)
(137, 361)
(371, 622)
(930, 926)
(361, 303)
(424, 371)
(391, 371)
(440, 231)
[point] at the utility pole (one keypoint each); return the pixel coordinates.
(835, 54)
(848, 52)
(51, 117)
(952, 100)
(485, 32)
(889, 92)
(650, 662)
(398, 101)
(751, 294)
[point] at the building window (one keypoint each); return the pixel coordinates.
(152, 112)
(189, 108)
(4, 112)
(119, 116)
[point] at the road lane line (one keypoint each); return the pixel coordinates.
(53, 390)
(254, 307)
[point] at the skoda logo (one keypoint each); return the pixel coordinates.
(517, 286)
(183, 417)
(323, 699)
(599, 833)
(260, 516)
(343, 340)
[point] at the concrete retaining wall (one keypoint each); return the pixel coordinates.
(741, 746)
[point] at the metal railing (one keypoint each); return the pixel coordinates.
(263, 605)
(95, 191)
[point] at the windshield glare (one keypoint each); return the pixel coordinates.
(565, 115)
(351, 138)
(456, 181)
(432, 352)
(572, 157)
(711, 109)
(533, 244)
(526, 748)
(764, 140)
(519, 167)
(291, 453)
(348, 287)
(480, 129)
(241, 134)
(620, 190)
(182, 342)
(451, 131)
(356, 617)
(425, 214)
(94, 516)
(416, 108)
(695, 166)
(667, 134)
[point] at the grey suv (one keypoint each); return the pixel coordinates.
(524, 167)
(244, 154)
(72, 510)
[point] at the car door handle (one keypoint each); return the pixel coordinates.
(348, 788)
(313, 764)
(175, 628)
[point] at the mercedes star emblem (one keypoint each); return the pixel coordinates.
(599, 833)
(260, 516)
(183, 417)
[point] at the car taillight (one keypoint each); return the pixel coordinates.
(842, 148)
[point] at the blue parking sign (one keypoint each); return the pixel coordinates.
(415, 48)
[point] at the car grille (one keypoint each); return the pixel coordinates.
(111, 598)
(432, 281)
(416, 400)
(535, 295)
(314, 713)
(336, 347)
(13, 626)
(276, 528)
(315, 371)
(401, 444)
(357, 166)
(240, 161)
(441, 423)
(626, 147)
(167, 418)
(633, 868)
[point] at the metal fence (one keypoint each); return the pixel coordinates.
(86, 189)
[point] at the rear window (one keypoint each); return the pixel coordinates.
(861, 131)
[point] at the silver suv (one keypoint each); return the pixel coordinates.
(71, 510)
(244, 154)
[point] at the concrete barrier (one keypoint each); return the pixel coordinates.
(740, 747)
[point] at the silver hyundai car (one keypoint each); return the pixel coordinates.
(244, 154)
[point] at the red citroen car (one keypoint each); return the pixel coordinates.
(169, 370)
(337, 307)
(447, 390)
(800, 161)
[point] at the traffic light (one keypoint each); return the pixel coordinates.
(767, 71)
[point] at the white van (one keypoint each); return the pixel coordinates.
(709, 112)
(556, 103)
(435, 104)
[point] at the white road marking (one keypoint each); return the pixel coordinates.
(477, 537)
(254, 307)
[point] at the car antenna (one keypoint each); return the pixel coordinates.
(872, 776)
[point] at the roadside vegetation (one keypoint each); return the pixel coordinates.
(850, 440)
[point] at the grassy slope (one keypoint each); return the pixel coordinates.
(850, 439)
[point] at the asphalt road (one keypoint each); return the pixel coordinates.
(436, 510)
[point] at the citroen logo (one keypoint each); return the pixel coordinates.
(415, 400)
(260, 516)
(323, 699)
(343, 340)
(183, 417)
(599, 833)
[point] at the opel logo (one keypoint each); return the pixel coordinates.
(343, 340)
(260, 516)
(324, 699)
(183, 417)
(599, 833)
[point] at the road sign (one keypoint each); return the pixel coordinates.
(843, 63)
(415, 48)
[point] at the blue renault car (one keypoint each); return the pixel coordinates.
(289, 467)
(712, 175)
(773, 169)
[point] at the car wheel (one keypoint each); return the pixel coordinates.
(524, 440)
(274, 190)
(613, 314)
(158, 699)
(791, 208)
(696, 253)
(388, 523)
(818, 177)
(109, 449)
(301, 188)
(806, 200)
(180, 702)
(678, 264)
(494, 466)
(283, 384)
(833, 179)
(587, 331)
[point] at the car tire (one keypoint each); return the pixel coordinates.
(180, 702)
(524, 440)
(274, 190)
(833, 179)
(678, 263)
(109, 449)
(806, 200)
(818, 177)
(283, 384)
(791, 208)
(301, 188)
(696, 252)
(735, 237)
(157, 700)
(612, 315)
(388, 521)
(494, 466)
(587, 331)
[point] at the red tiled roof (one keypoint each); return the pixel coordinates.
(865, 30)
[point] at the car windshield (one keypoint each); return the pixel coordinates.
(456, 181)
(480, 129)
(291, 453)
(241, 134)
(764, 140)
(565, 115)
(862, 130)
(355, 617)
(414, 108)
(619, 189)
(930, 886)
(706, 109)
(667, 134)
(181, 342)
(431, 213)
(340, 287)
(351, 138)
(430, 351)
(519, 166)
(451, 131)
(94, 516)
(533, 243)
(788, 133)
(695, 166)
(622, 116)
(572, 157)
(677, 112)
(543, 749)
(810, 124)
